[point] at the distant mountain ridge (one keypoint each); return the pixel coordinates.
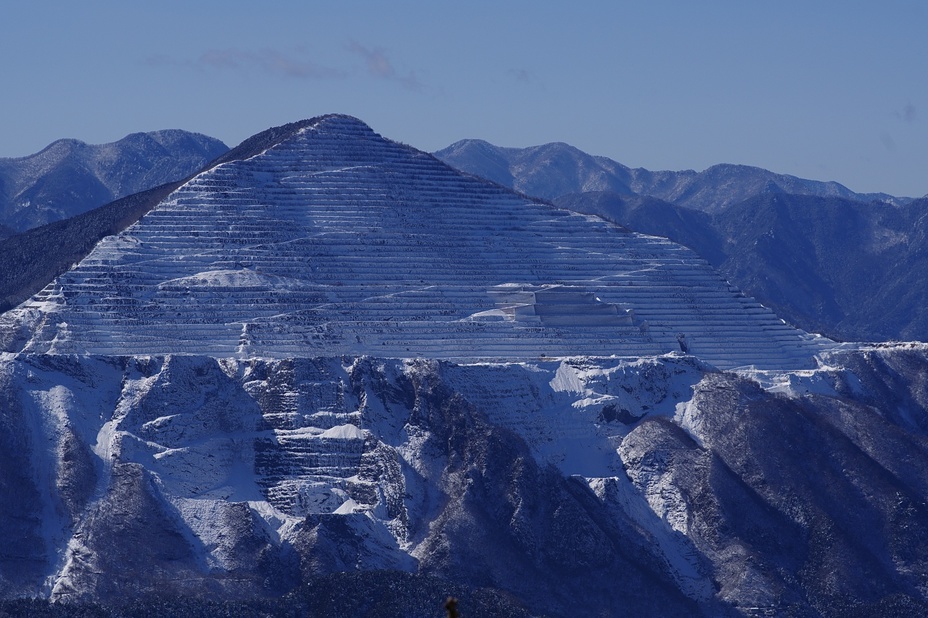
(70, 177)
(555, 169)
(826, 259)
(847, 269)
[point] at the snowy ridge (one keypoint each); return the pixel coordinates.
(248, 453)
(235, 478)
(339, 242)
(283, 440)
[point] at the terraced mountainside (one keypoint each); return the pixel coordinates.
(843, 264)
(332, 375)
(849, 270)
(335, 241)
(69, 177)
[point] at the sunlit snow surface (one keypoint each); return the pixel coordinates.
(339, 242)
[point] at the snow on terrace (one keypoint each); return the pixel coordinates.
(336, 241)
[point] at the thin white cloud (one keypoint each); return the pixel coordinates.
(378, 65)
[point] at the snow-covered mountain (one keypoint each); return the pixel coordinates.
(658, 486)
(552, 170)
(335, 241)
(70, 177)
(332, 353)
(826, 259)
(851, 270)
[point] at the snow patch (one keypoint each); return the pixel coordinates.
(348, 506)
(343, 432)
(794, 384)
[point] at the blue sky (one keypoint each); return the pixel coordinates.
(824, 90)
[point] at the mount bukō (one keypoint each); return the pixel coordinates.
(844, 264)
(339, 242)
(70, 177)
(333, 353)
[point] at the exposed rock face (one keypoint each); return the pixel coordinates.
(241, 478)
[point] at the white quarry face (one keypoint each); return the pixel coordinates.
(336, 241)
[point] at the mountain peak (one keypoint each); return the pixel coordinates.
(343, 123)
(323, 238)
(245, 393)
(329, 123)
(55, 152)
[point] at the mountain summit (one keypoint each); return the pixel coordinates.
(328, 239)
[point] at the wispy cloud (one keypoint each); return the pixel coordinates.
(286, 64)
(520, 75)
(907, 114)
(378, 65)
(525, 79)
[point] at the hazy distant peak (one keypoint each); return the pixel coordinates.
(168, 136)
(487, 161)
(466, 144)
(69, 176)
(65, 144)
(546, 171)
(56, 151)
(556, 169)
